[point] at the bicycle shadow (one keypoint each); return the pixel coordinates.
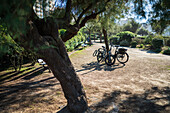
(93, 66)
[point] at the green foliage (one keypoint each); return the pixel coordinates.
(142, 31)
(159, 37)
(167, 52)
(114, 40)
(168, 42)
(75, 41)
(124, 43)
(131, 26)
(61, 31)
(148, 39)
(133, 44)
(141, 46)
(157, 43)
(7, 45)
(126, 35)
(138, 40)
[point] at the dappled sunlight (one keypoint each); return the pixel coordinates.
(127, 102)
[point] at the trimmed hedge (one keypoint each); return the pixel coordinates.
(126, 35)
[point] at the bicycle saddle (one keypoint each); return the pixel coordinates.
(103, 47)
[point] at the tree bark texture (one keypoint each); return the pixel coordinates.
(44, 37)
(105, 39)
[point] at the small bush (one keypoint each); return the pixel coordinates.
(124, 43)
(75, 42)
(141, 46)
(62, 31)
(133, 44)
(148, 39)
(139, 41)
(157, 43)
(114, 40)
(167, 52)
(126, 35)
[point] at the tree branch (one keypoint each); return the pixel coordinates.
(92, 16)
(83, 12)
(68, 11)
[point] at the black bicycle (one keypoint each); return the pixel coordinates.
(120, 55)
(100, 54)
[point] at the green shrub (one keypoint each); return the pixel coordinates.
(124, 43)
(114, 40)
(157, 43)
(62, 31)
(148, 39)
(141, 46)
(167, 52)
(133, 44)
(159, 37)
(75, 41)
(126, 35)
(137, 40)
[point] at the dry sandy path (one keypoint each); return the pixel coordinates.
(140, 86)
(143, 72)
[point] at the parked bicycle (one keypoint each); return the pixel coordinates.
(100, 54)
(120, 54)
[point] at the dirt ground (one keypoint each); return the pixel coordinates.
(142, 85)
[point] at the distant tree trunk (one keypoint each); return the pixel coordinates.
(94, 38)
(100, 37)
(90, 37)
(105, 39)
(44, 33)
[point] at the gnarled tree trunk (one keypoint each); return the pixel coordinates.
(43, 34)
(100, 37)
(105, 39)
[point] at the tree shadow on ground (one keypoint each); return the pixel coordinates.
(93, 66)
(27, 93)
(154, 100)
(9, 75)
(25, 74)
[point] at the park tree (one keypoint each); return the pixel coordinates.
(158, 16)
(41, 36)
(89, 27)
(142, 31)
(108, 17)
(131, 26)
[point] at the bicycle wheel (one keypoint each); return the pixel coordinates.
(110, 60)
(122, 58)
(100, 56)
(95, 53)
